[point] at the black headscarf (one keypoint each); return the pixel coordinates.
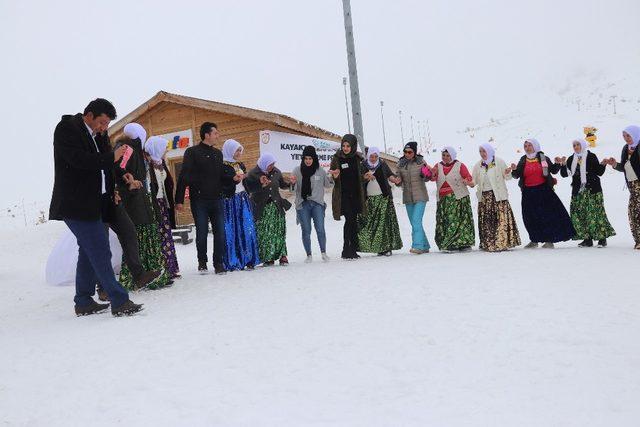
(353, 142)
(308, 171)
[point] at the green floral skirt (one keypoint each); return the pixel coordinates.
(272, 234)
(151, 257)
(589, 217)
(378, 230)
(634, 209)
(454, 223)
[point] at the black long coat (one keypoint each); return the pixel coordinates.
(78, 166)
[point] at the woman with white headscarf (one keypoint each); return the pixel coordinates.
(544, 215)
(263, 184)
(134, 189)
(454, 218)
(239, 227)
(378, 230)
(496, 224)
(588, 215)
(160, 186)
(630, 164)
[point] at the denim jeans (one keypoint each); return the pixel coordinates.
(415, 211)
(207, 211)
(94, 263)
(308, 211)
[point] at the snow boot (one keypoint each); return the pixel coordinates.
(92, 308)
(127, 309)
(586, 243)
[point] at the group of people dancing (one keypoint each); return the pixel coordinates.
(129, 189)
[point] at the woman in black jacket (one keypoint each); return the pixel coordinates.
(134, 189)
(263, 184)
(239, 227)
(588, 215)
(544, 215)
(630, 164)
(348, 192)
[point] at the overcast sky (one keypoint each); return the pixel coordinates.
(452, 62)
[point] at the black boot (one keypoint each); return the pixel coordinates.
(202, 267)
(602, 243)
(126, 309)
(219, 269)
(92, 308)
(586, 243)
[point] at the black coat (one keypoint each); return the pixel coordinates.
(201, 172)
(260, 195)
(635, 160)
(78, 166)
(136, 202)
(594, 171)
(229, 185)
(519, 172)
(168, 187)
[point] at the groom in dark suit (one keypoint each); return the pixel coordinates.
(77, 200)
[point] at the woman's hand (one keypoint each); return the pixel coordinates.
(469, 182)
(369, 176)
(264, 181)
(334, 173)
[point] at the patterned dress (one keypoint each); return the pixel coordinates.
(454, 217)
(272, 232)
(378, 230)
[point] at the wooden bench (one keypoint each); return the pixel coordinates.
(182, 233)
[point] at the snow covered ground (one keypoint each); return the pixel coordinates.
(525, 338)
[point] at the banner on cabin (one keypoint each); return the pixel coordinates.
(178, 142)
(287, 148)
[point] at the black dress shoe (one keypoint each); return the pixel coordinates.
(92, 308)
(126, 309)
(219, 269)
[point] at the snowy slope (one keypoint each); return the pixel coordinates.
(526, 338)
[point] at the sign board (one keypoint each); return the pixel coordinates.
(178, 142)
(287, 148)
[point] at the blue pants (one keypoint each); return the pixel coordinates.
(308, 211)
(415, 211)
(94, 263)
(205, 211)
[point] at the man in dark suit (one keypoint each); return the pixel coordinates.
(77, 200)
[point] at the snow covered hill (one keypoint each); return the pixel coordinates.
(526, 338)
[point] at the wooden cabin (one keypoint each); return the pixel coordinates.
(179, 117)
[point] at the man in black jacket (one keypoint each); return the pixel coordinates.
(202, 172)
(77, 200)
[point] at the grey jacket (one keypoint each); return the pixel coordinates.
(319, 181)
(414, 188)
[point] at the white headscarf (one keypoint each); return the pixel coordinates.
(135, 130)
(155, 147)
(265, 161)
(370, 152)
(491, 152)
(452, 152)
(583, 165)
(536, 147)
(229, 149)
(634, 132)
